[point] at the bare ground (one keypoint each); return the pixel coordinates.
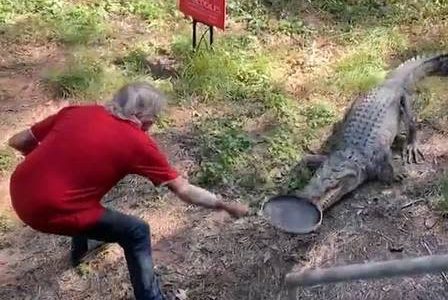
(209, 255)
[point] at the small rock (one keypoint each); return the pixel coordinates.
(267, 257)
(396, 248)
(430, 222)
(180, 294)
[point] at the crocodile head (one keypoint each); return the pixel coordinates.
(340, 174)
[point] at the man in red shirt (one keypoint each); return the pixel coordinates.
(73, 158)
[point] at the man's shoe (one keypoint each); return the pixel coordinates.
(80, 253)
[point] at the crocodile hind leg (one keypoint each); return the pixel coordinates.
(411, 151)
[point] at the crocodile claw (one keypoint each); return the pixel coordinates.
(412, 153)
(398, 178)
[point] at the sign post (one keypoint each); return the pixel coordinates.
(208, 12)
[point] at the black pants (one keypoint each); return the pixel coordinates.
(133, 235)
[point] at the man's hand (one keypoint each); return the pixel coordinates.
(236, 210)
(23, 141)
(195, 195)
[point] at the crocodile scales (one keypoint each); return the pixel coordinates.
(363, 148)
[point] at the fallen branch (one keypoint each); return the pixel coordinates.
(412, 203)
(372, 270)
(445, 277)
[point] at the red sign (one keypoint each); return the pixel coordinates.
(209, 12)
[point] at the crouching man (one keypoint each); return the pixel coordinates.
(74, 157)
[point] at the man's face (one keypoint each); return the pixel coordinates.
(147, 121)
(146, 125)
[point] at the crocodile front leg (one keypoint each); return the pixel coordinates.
(411, 151)
(310, 161)
(314, 161)
(388, 173)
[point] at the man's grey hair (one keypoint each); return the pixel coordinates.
(136, 100)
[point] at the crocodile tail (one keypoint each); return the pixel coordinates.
(417, 68)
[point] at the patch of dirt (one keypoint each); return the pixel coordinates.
(23, 97)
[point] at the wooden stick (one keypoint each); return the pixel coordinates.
(398, 267)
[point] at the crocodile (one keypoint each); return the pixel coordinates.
(363, 148)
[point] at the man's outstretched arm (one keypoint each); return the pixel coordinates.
(192, 194)
(23, 142)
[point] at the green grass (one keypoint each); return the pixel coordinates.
(6, 225)
(7, 160)
(365, 65)
(232, 155)
(151, 10)
(69, 23)
(80, 24)
(431, 103)
(224, 146)
(135, 62)
(372, 12)
(443, 202)
(230, 71)
(86, 75)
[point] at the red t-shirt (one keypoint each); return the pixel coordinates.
(83, 152)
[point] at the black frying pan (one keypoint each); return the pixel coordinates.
(292, 214)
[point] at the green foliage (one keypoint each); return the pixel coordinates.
(391, 12)
(80, 24)
(443, 202)
(6, 224)
(11, 9)
(67, 22)
(229, 152)
(147, 10)
(150, 10)
(419, 11)
(7, 160)
(354, 11)
(223, 148)
(85, 75)
(263, 17)
(228, 72)
(250, 11)
(27, 30)
(293, 25)
(431, 103)
(364, 66)
(134, 62)
(84, 269)
(319, 115)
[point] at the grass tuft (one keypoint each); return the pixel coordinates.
(80, 24)
(135, 62)
(6, 224)
(72, 24)
(365, 65)
(228, 72)
(7, 160)
(443, 202)
(224, 146)
(87, 76)
(431, 103)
